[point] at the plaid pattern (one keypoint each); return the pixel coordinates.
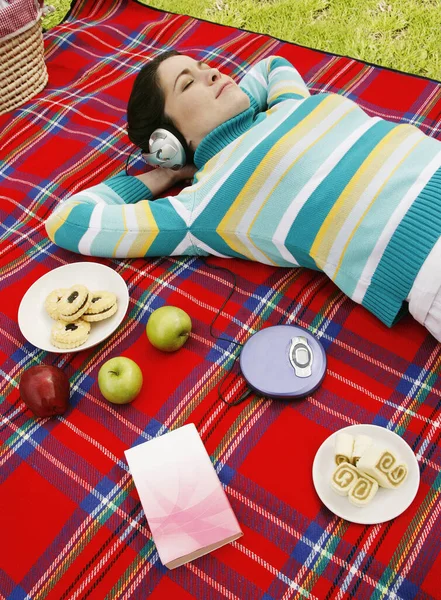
(71, 521)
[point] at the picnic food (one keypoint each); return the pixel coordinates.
(397, 475)
(120, 380)
(349, 481)
(344, 443)
(344, 478)
(361, 443)
(380, 463)
(52, 301)
(168, 328)
(69, 335)
(74, 303)
(102, 305)
(74, 309)
(363, 467)
(45, 389)
(363, 491)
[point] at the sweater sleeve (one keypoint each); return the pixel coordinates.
(117, 218)
(273, 80)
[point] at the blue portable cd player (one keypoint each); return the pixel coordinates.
(283, 361)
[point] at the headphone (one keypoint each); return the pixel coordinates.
(167, 148)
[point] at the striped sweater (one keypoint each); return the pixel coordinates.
(297, 179)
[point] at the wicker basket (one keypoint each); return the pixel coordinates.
(23, 71)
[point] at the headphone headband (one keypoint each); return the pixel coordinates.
(166, 150)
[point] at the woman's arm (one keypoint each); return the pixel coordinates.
(160, 180)
(117, 218)
(273, 80)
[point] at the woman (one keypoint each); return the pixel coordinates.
(283, 178)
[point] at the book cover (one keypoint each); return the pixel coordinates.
(185, 505)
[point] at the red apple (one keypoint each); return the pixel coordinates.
(45, 390)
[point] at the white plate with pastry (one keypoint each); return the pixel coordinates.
(366, 474)
(73, 307)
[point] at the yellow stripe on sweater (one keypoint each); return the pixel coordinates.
(148, 229)
(58, 219)
(286, 88)
(230, 223)
(347, 200)
(342, 255)
(122, 236)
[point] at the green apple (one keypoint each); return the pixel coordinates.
(120, 380)
(168, 328)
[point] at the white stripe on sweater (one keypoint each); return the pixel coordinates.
(255, 253)
(85, 244)
(130, 234)
(288, 160)
(179, 206)
(96, 198)
(391, 226)
(366, 198)
(324, 170)
(190, 240)
(211, 192)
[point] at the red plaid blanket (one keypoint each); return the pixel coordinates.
(70, 518)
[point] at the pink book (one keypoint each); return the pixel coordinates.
(185, 505)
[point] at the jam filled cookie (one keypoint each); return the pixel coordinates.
(74, 303)
(69, 335)
(52, 301)
(102, 306)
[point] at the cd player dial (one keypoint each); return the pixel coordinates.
(300, 356)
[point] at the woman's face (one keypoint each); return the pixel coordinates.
(198, 98)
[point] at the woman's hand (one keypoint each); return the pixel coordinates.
(159, 180)
(185, 174)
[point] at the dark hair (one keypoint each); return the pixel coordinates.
(145, 110)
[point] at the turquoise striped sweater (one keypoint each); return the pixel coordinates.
(297, 179)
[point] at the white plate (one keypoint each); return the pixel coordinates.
(386, 504)
(34, 322)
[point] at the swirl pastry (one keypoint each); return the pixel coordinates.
(361, 444)
(344, 478)
(344, 443)
(363, 491)
(378, 462)
(397, 475)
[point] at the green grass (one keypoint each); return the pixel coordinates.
(402, 34)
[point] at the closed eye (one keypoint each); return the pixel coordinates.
(188, 71)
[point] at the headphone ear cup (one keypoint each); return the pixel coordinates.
(178, 135)
(167, 148)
